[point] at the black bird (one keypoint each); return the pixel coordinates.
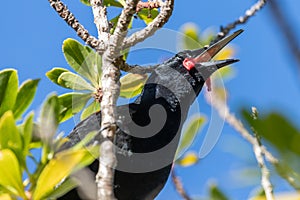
(149, 128)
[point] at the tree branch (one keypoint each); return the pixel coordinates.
(71, 20)
(224, 112)
(135, 69)
(265, 173)
(162, 18)
(286, 29)
(179, 186)
(122, 26)
(241, 20)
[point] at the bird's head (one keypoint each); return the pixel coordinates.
(199, 60)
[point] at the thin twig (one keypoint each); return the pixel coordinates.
(162, 18)
(64, 13)
(223, 111)
(135, 69)
(122, 26)
(265, 173)
(179, 186)
(150, 5)
(241, 20)
(286, 29)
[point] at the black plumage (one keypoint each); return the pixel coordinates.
(149, 128)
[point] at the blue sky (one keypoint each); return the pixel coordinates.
(267, 76)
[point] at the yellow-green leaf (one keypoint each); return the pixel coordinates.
(72, 103)
(191, 38)
(5, 197)
(25, 96)
(194, 124)
(74, 81)
(146, 16)
(59, 168)
(189, 159)
(54, 73)
(8, 89)
(83, 60)
(9, 134)
(90, 109)
(132, 84)
(10, 173)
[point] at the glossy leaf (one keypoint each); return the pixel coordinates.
(60, 167)
(5, 196)
(8, 89)
(71, 103)
(194, 124)
(146, 16)
(216, 194)
(9, 134)
(276, 129)
(54, 74)
(90, 109)
(188, 159)
(83, 60)
(132, 85)
(73, 81)
(27, 132)
(10, 173)
(49, 118)
(25, 96)
(122, 2)
(62, 188)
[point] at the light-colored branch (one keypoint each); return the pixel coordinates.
(101, 21)
(265, 173)
(162, 18)
(135, 69)
(241, 20)
(179, 186)
(109, 92)
(224, 112)
(64, 13)
(121, 29)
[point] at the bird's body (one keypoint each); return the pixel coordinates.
(149, 129)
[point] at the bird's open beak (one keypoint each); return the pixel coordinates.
(208, 68)
(200, 55)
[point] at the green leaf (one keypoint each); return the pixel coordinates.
(113, 3)
(194, 124)
(276, 129)
(90, 109)
(122, 2)
(25, 96)
(84, 141)
(72, 103)
(85, 2)
(216, 194)
(114, 22)
(73, 81)
(191, 38)
(144, 15)
(10, 173)
(5, 196)
(132, 85)
(27, 132)
(83, 60)
(59, 168)
(54, 73)
(9, 134)
(63, 188)
(188, 159)
(8, 89)
(49, 118)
